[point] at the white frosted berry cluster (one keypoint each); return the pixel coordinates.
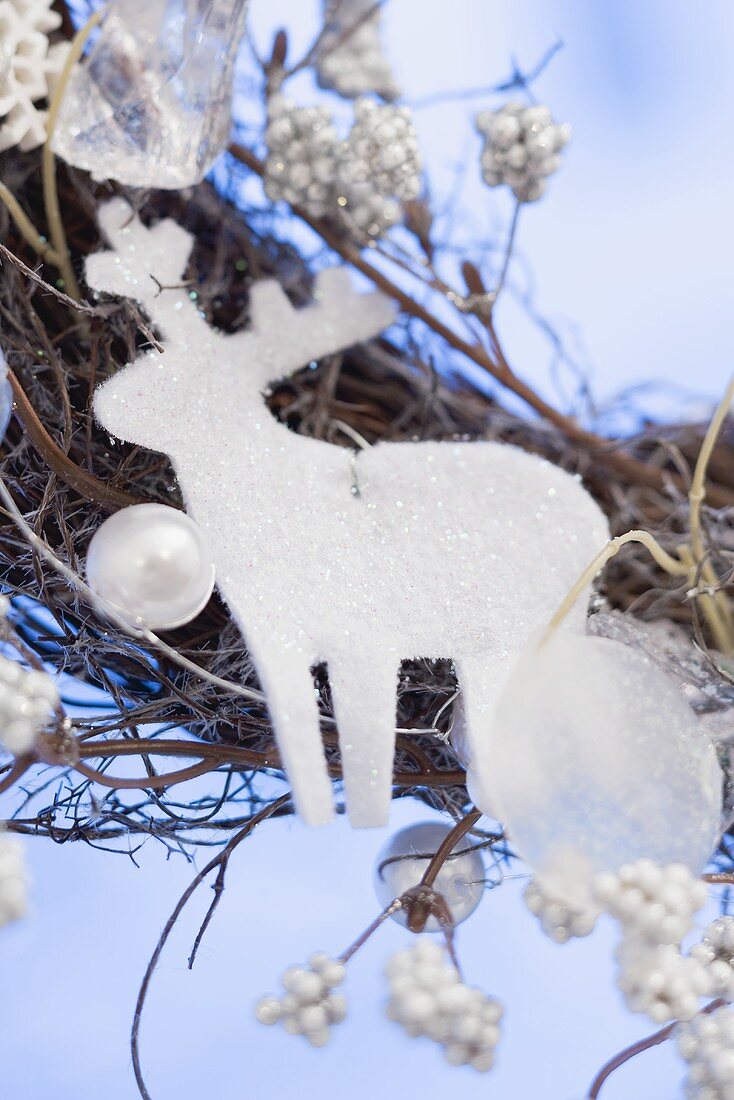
(521, 149)
(561, 920)
(309, 1006)
(656, 907)
(428, 998)
(378, 169)
(654, 904)
(661, 982)
(13, 880)
(707, 1045)
(716, 952)
(27, 701)
(352, 62)
(362, 181)
(29, 70)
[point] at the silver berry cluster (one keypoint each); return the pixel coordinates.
(655, 907)
(352, 61)
(27, 701)
(309, 1006)
(560, 919)
(521, 149)
(13, 880)
(362, 181)
(379, 168)
(707, 1045)
(301, 164)
(428, 998)
(716, 952)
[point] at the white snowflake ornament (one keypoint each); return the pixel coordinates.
(29, 68)
(405, 550)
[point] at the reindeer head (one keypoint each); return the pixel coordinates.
(163, 394)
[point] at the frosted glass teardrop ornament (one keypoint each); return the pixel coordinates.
(151, 104)
(597, 761)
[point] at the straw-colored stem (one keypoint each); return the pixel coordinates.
(26, 226)
(697, 493)
(670, 564)
(50, 191)
(715, 605)
(710, 602)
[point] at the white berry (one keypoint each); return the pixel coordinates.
(27, 702)
(309, 1006)
(706, 1043)
(13, 880)
(653, 903)
(559, 918)
(429, 999)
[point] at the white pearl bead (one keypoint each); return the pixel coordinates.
(152, 563)
(269, 1011)
(460, 881)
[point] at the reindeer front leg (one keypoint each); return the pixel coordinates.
(285, 676)
(364, 693)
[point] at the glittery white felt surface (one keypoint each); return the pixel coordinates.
(456, 550)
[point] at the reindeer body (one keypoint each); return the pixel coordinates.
(406, 550)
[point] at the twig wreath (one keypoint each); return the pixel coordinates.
(266, 532)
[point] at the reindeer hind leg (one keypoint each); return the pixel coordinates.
(291, 696)
(364, 693)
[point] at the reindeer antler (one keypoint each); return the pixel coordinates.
(142, 260)
(147, 265)
(282, 339)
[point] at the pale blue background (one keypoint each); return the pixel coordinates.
(634, 245)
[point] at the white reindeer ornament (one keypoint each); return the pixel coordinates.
(406, 550)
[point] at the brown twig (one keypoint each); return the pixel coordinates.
(218, 755)
(220, 859)
(639, 1048)
(84, 483)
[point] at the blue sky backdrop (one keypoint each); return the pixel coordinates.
(630, 258)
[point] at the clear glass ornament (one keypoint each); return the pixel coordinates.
(404, 859)
(151, 104)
